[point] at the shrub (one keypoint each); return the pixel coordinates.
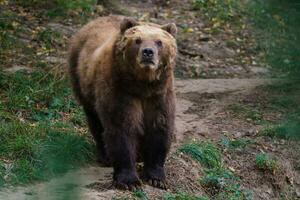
(263, 162)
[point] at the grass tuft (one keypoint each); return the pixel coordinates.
(204, 152)
(222, 184)
(40, 152)
(182, 196)
(217, 9)
(49, 38)
(55, 8)
(247, 112)
(219, 182)
(264, 163)
(235, 143)
(288, 130)
(140, 195)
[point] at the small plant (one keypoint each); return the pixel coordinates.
(254, 115)
(288, 130)
(263, 162)
(247, 112)
(204, 152)
(6, 40)
(218, 11)
(219, 182)
(2, 173)
(60, 7)
(268, 131)
(49, 38)
(182, 196)
(234, 144)
(222, 184)
(140, 195)
(237, 109)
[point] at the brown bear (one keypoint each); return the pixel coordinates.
(122, 75)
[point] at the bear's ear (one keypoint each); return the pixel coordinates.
(127, 23)
(170, 28)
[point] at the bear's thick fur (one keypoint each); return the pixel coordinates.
(122, 75)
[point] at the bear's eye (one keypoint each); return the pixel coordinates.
(158, 43)
(138, 41)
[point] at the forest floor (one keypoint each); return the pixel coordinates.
(226, 144)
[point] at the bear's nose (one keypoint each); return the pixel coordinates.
(147, 53)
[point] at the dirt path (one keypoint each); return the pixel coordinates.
(198, 103)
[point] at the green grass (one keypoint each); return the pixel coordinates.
(247, 112)
(39, 128)
(55, 8)
(6, 26)
(40, 152)
(275, 24)
(139, 195)
(285, 95)
(218, 11)
(49, 38)
(222, 184)
(10, 44)
(235, 143)
(218, 181)
(182, 196)
(264, 163)
(284, 98)
(204, 152)
(6, 40)
(288, 130)
(42, 129)
(282, 107)
(36, 96)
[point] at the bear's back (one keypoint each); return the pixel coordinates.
(98, 31)
(91, 45)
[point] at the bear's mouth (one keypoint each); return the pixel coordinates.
(147, 62)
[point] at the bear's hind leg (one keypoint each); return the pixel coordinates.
(97, 130)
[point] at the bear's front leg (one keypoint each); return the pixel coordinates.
(155, 152)
(122, 123)
(123, 154)
(156, 143)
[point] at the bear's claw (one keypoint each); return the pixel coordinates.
(128, 186)
(158, 183)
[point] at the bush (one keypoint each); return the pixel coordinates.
(182, 196)
(218, 11)
(263, 162)
(276, 24)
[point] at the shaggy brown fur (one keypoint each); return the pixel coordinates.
(122, 74)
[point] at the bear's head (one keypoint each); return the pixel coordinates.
(147, 49)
